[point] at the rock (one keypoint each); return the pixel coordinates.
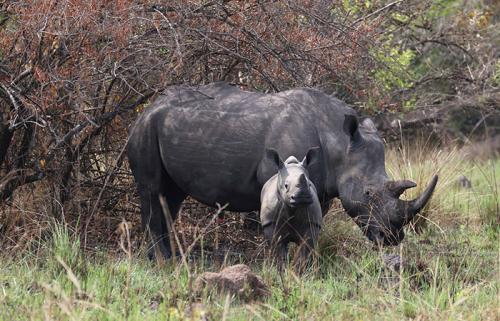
(237, 280)
(393, 262)
(464, 182)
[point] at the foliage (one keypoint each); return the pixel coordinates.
(435, 51)
(455, 41)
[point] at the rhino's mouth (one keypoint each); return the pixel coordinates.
(381, 239)
(300, 201)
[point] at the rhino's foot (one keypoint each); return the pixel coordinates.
(159, 251)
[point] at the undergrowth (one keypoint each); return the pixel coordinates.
(451, 267)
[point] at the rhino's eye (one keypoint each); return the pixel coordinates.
(286, 185)
(368, 193)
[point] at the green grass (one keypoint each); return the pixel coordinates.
(452, 269)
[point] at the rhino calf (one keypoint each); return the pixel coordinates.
(290, 210)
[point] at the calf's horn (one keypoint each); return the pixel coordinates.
(302, 180)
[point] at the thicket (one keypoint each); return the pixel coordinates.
(74, 75)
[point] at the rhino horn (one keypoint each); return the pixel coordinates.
(409, 209)
(396, 188)
(302, 180)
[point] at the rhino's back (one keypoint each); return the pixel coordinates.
(212, 138)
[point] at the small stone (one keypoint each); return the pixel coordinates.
(237, 280)
(393, 262)
(464, 182)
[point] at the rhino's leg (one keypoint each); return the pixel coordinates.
(152, 221)
(281, 253)
(153, 218)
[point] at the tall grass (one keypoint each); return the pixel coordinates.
(354, 287)
(450, 269)
(450, 202)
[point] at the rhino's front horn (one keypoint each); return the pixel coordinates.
(396, 188)
(409, 209)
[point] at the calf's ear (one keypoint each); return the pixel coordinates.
(311, 157)
(274, 157)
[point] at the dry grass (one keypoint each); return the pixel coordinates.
(451, 203)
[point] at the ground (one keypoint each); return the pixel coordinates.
(450, 270)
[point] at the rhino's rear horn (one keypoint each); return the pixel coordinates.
(396, 188)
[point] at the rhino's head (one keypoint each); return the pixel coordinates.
(294, 186)
(366, 192)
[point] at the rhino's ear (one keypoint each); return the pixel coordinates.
(369, 125)
(311, 157)
(351, 124)
(274, 157)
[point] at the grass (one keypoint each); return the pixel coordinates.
(450, 201)
(451, 273)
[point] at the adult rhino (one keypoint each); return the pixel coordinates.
(209, 142)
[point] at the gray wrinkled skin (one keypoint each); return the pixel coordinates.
(290, 210)
(209, 142)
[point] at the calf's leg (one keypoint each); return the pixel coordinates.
(277, 242)
(307, 245)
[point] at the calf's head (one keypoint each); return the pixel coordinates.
(367, 193)
(294, 186)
